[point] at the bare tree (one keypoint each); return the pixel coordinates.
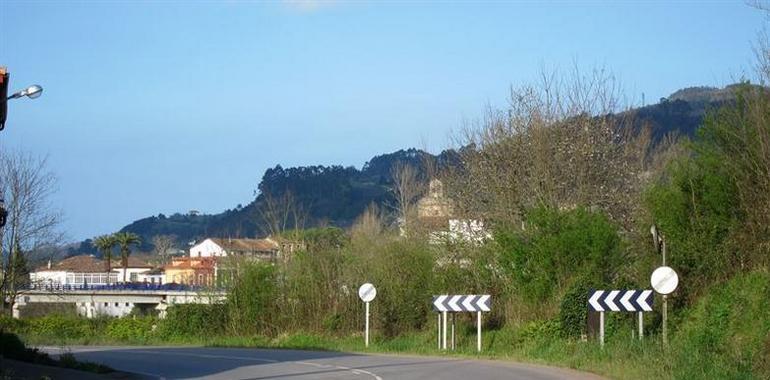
(406, 189)
(279, 213)
(26, 185)
(562, 143)
(163, 245)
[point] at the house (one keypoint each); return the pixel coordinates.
(135, 268)
(86, 270)
(199, 271)
(263, 249)
(154, 276)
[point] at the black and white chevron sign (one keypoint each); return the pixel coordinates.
(470, 302)
(620, 300)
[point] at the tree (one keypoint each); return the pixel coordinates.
(105, 244)
(26, 185)
(125, 240)
(562, 143)
(279, 213)
(406, 188)
(163, 244)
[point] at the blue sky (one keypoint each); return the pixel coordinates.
(159, 107)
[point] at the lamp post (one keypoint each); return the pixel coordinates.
(31, 92)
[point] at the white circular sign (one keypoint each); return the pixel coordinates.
(367, 292)
(664, 280)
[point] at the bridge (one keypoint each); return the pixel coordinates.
(116, 300)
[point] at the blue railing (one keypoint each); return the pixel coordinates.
(118, 286)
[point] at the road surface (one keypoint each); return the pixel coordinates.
(246, 363)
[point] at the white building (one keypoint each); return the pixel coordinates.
(86, 270)
(266, 249)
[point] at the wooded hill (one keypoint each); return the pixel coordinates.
(336, 195)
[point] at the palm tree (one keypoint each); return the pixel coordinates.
(125, 240)
(105, 244)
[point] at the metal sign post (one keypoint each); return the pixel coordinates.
(619, 300)
(461, 303)
(367, 292)
(664, 280)
(443, 336)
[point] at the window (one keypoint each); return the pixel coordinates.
(134, 277)
(116, 304)
(105, 304)
(126, 304)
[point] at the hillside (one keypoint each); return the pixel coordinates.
(336, 195)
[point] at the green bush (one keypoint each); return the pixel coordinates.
(726, 333)
(130, 329)
(192, 320)
(12, 324)
(12, 347)
(402, 271)
(540, 330)
(251, 304)
(573, 311)
(61, 327)
(556, 248)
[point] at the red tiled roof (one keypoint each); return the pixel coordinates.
(90, 264)
(248, 245)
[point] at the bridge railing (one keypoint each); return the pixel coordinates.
(119, 286)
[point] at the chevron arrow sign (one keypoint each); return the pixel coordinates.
(620, 300)
(459, 303)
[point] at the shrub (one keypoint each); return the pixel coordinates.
(130, 329)
(556, 248)
(251, 303)
(61, 327)
(192, 320)
(11, 346)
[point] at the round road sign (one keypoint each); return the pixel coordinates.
(367, 292)
(664, 280)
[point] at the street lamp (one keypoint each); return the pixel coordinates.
(31, 92)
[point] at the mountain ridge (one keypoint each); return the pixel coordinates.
(336, 195)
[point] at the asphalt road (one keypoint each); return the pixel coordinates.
(243, 363)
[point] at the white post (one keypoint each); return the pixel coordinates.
(641, 325)
(443, 337)
(478, 331)
(601, 328)
(453, 331)
(438, 329)
(665, 320)
(367, 324)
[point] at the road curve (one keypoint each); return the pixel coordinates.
(247, 363)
